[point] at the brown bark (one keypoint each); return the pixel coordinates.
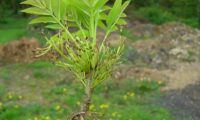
(87, 100)
(86, 104)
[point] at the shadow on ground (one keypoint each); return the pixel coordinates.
(183, 103)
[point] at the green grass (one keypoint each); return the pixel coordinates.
(128, 34)
(4, 73)
(44, 92)
(13, 29)
(40, 65)
(16, 28)
(159, 15)
(11, 34)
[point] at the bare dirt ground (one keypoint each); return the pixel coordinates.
(171, 53)
(183, 103)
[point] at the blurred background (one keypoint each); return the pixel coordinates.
(158, 79)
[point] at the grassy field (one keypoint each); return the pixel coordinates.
(16, 28)
(41, 91)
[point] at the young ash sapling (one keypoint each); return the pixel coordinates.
(91, 63)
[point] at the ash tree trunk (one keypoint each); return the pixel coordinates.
(87, 99)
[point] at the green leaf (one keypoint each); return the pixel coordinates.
(100, 4)
(113, 29)
(48, 5)
(123, 15)
(114, 13)
(32, 2)
(105, 8)
(63, 9)
(42, 20)
(103, 16)
(102, 25)
(95, 59)
(36, 11)
(124, 6)
(53, 26)
(81, 33)
(55, 4)
(121, 22)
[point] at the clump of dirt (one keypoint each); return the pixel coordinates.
(171, 54)
(174, 41)
(19, 50)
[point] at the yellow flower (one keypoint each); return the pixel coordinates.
(20, 97)
(131, 94)
(78, 103)
(47, 118)
(160, 82)
(57, 107)
(92, 107)
(125, 97)
(141, 78)
(16, 106)
(114, 114)
(64, 90)
(104, 106)
(36, 118)
(1, 105)
(10, 96)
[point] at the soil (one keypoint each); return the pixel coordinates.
(22, 50)
(178, 78)
(183, 103)
(18, 51)
(168, 53)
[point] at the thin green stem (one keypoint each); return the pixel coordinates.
(58, 21)
(105, 37)
(63, 27)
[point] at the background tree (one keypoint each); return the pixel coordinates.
(199, 12)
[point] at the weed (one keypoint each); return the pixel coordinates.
(40, 65)
(157, 15)
(40, 74)
(5, 74)
(126, 100)
(16, 28)
(128, 34)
